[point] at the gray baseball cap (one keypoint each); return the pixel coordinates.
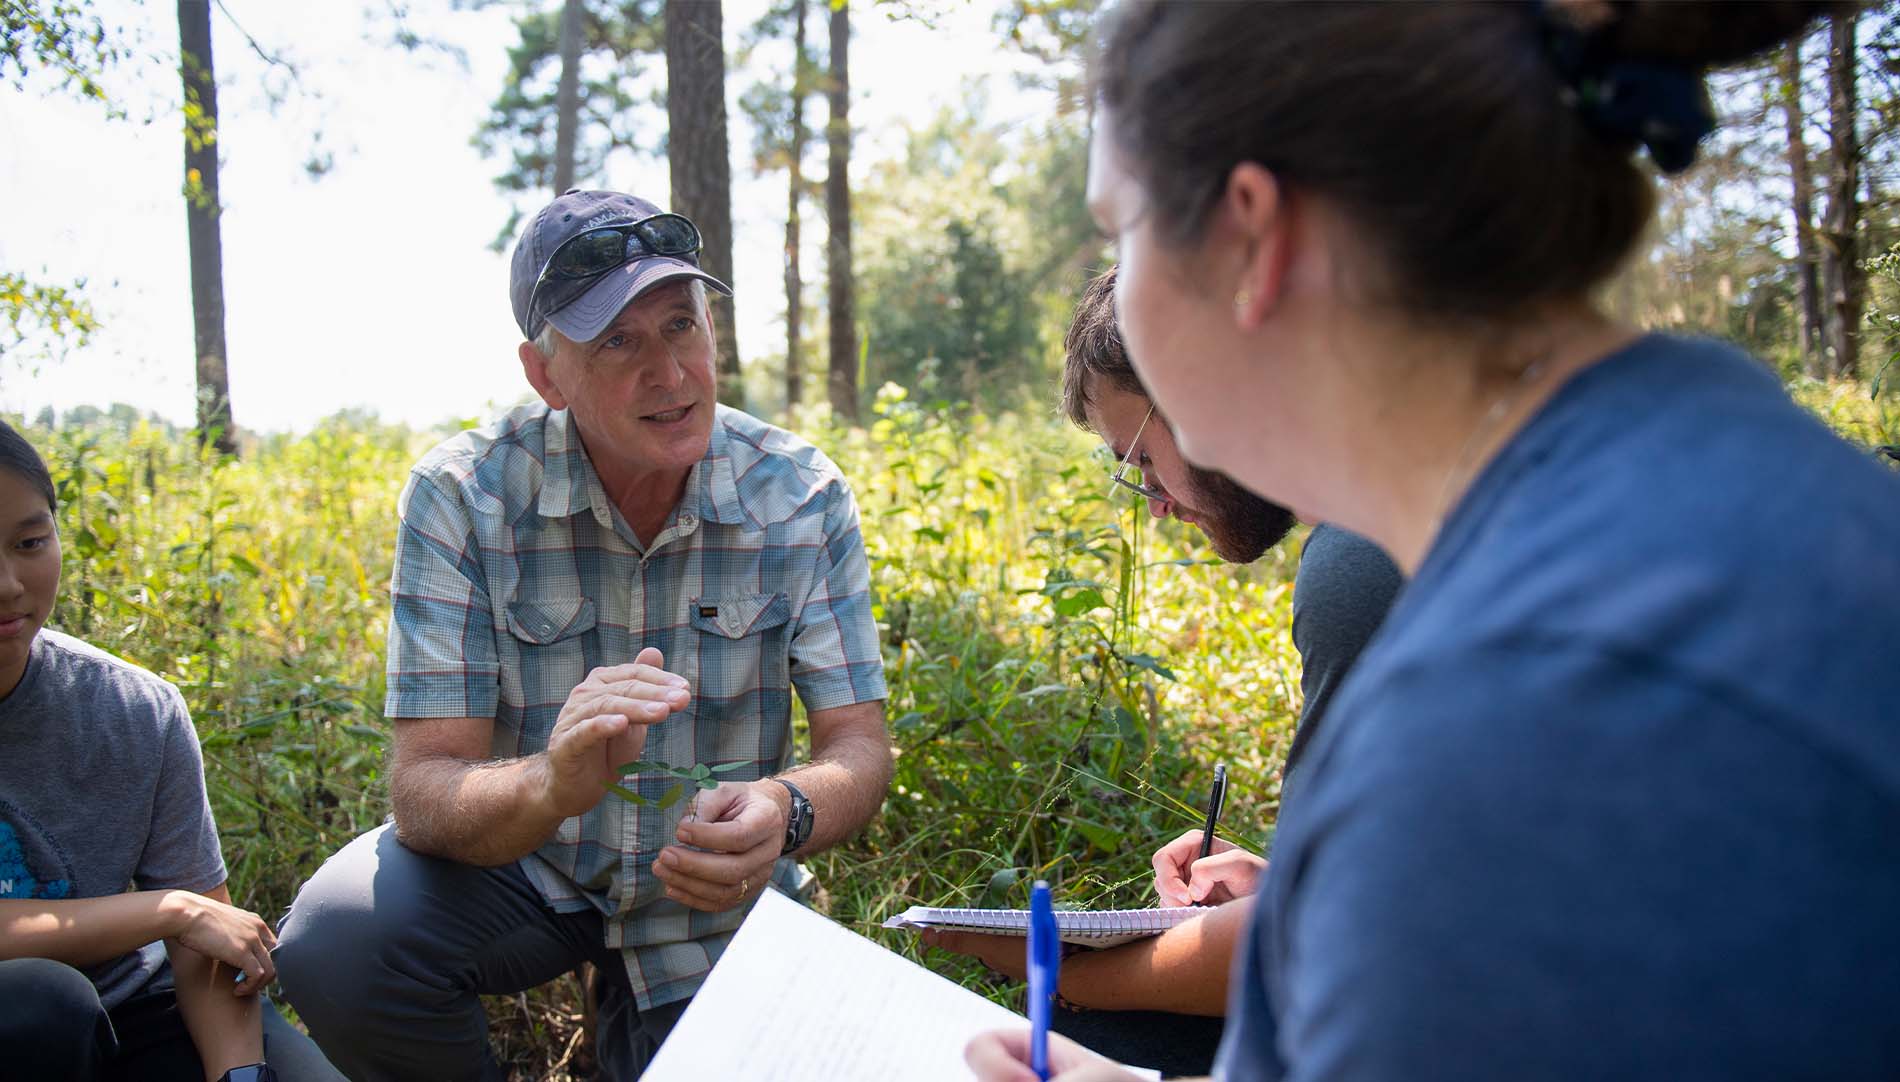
(581, 308)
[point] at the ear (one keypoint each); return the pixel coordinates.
(1257, 212)
(535, 366)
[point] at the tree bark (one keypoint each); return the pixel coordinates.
(794, 284)
(844, 337)
(201, 224)
(1840, 251)
(697, 157)
(1806, 268)
(567, 97)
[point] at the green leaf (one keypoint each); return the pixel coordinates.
(1080, 602)
(642, 766)
(701, 772)
(628, 795)
(1105, 838)
(726, 768)
(998, 890)
(930, 532)
(667, 798)
(1150, 663)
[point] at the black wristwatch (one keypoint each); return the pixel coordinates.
(250, 1072)
(798, 823)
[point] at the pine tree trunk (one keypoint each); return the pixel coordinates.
(567, 97)
(844, 336)
(1806, 273)
(794, 284)
(201, 224)
(1840, 253)
(698, 158)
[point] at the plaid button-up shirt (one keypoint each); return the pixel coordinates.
(515, 576)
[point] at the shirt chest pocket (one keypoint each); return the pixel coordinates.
(556, 646)
(743, 664)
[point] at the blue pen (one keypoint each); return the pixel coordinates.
(1045, 961)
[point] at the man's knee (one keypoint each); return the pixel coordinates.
(336, 929)
(53, 1025)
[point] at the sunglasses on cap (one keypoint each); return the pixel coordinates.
(593, 252)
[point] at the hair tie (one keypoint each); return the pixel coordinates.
(1665, 107)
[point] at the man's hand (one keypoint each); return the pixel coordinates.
(741, 827)
(237, 937)
(1002, 1055)
(604, 724)
(1227, 873)
(1002, 953)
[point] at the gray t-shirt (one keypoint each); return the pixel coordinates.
(101, 789)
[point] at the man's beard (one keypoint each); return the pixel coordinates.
(1240, 525)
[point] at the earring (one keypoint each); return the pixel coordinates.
(1241, 299)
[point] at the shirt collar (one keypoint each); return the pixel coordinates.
(569, 484)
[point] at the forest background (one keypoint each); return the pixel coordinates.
(1064, 671)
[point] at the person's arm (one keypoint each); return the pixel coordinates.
(741, 825)
(452, 801)
(87, 931)
(1183, 970)
(220, 1014)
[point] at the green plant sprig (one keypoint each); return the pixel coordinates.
(696, 777)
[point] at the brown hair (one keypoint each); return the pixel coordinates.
(1440, 129)
(1092, 349)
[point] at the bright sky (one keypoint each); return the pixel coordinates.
(321, 311)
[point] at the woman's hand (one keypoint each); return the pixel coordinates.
(237, 937)
(1226, 873)
(1002, 1055)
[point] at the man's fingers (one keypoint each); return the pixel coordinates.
(635, 672)
(578, 742)
(639, 709)
(679, 864)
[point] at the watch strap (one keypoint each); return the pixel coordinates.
(798, 822)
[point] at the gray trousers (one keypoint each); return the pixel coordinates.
(385, 951)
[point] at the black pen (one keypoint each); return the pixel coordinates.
(1216, 798)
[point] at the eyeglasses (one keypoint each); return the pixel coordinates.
(1120, 476)
(594, 252)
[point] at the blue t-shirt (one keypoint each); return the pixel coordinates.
(1615, 793)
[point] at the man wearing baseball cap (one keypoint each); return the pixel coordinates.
(625, 571)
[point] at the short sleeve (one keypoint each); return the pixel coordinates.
(835, 659)
(442, 660)
(181, 845)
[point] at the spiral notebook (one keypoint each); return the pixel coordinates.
(1085, 927)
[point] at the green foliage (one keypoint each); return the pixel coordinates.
(971, 249)
(40, 321)
(618, 39)
(66, 39)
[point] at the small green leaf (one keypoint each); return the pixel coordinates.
(1150, 663)
(726, 768)
(998, 890)
(628, 795)
(666, 799)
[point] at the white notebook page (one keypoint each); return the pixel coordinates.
(798, 997)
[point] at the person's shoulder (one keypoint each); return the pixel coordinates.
(1343, 571)
(484, 465)
(779, 474)
(74, 666)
